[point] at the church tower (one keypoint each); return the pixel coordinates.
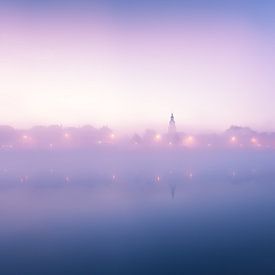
(172, 126)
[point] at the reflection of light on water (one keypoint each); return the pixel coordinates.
(24, 179)
(233, 174)
(189, 175)
(157, 178)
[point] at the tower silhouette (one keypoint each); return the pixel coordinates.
(172, 125)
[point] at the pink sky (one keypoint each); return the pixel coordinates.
(210, 71)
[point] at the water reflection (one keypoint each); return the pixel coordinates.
(147, 217)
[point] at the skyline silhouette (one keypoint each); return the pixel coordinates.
(58, 137)
(124, 63)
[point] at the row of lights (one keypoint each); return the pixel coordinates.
(114, 177)
(188, 141)
(254, 141)
(67, 179)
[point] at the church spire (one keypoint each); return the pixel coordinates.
(172, 125)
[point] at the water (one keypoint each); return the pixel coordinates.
(152, 221)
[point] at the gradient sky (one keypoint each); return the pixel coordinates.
(130, 63)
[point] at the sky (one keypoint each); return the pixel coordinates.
(129, 64)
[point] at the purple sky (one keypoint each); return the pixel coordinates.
(131, 66)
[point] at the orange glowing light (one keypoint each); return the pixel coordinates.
(189, 141)
(157, 137)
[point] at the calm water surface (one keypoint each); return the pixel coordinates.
(174, 222)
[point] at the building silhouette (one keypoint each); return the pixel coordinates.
(172, 126)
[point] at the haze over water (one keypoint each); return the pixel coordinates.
(142, 212)
(192, 195)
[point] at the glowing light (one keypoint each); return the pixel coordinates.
(66, 135)
(112, 136)
(254, 141)
(157, 137)
(157, 178)
(233, 139)
(99, 142)
(189, 141)
(170, 143)
(67, 179)
(26, 138)
(113, 177)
